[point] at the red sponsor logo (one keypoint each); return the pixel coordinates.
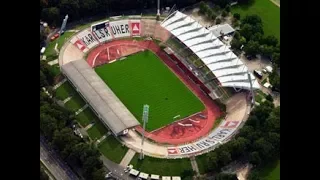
(80, 45)
(230, 124)
(172, 151)
(135, 28)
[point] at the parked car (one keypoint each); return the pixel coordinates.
(54, 37)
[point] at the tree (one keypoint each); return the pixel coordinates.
(213, 16)
(269, 98)
(228, 8)
(236, 35)
(222, 3)
(246, 31)
(251, 48)
(90, 164)
(239, 146)
(51, 15)
(210, 13)
(202, 7)
(256, 37)
(224, 157)
(187, 173)
(269, 40)
(225, 176)
(235, 23)
(276, 58)
(254, 175)
(43, 80)
(47, 125)
(266, 50)
(88, 7)
(98, 174)
(218, 20)
(272, 124)
(252, 20)
(212, 161)
(235, 44)
(236, 16)
(70, 7)
(64, 137)
(274, 79)
(246, 131)
(243, 40)
(254, 158)
(265, 148)
(224, 13)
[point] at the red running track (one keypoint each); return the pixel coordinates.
(172, 133)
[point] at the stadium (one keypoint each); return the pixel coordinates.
(179, 68)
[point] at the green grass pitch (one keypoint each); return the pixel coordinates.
(143, 78)
(269, 13)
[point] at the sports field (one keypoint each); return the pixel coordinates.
(143, 78)
(269, 13)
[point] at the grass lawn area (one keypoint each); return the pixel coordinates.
(75, 103)
(258, 98)
(269, 13)
(55, 69)
(144, 79)
(201, 161)
(112, 149)
(264, 81)
(50, 52)
(97, 130)
(271, 171)
(64, 91)
(163, 167)
(86, 117)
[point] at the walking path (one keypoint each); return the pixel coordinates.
(82, 109)
(59, 84)
(51, 63)
(127, 158)
(102, 138)
(89, 126)
(67, 99)
(194, 165)
(276, 3)
(72, 30)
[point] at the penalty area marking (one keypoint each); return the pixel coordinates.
(94, 60)
(112, 61)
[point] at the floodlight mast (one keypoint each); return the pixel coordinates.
(251, 89)
(62, 28)
(158, 8)
(145, 117)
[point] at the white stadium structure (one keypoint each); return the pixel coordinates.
(224, 67)
(222, 62)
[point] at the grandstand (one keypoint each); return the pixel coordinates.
(200, 49)
(100, 97)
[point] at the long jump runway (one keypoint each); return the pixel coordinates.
(182, 131)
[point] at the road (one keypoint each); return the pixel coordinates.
(116, 169)
(55, 165)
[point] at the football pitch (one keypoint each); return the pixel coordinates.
(143, 78)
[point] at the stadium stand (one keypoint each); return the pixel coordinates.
(227, 68)
(103, 101)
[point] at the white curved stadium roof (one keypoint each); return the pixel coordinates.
(223, 63)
